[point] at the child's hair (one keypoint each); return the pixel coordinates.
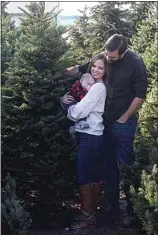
(87, 76)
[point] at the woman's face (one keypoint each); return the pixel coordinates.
(98, 69)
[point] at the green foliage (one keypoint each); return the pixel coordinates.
(145, 33)
(82, 39)
(140, 11)
(8, 36)
(93, 28)
(12, 209)
(146, 201)
(145, 194)
(3, 8)
(36, 148)
(149, 115)
(110, 18)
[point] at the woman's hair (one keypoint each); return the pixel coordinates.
(101, 56)
(107, 76)
(94, 59)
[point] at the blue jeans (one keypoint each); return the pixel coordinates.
(87, 160)
(117, 148)
(123, 134)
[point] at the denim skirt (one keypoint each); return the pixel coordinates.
(88, 168)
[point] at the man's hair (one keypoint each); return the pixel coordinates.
(116, 42)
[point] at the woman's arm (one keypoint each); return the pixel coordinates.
(84, 107)
(67, 99)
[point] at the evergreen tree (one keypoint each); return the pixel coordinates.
(3, 8)
(146, 201)
(149, 115)
(8, 37)
(94, 27)
(146, 45)
(35, 145)
(139, 11)
(13, 211)
(82, 39)
(110, 18)
(145, 195)
(145, 32)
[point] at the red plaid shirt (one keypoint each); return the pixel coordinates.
(77, 91)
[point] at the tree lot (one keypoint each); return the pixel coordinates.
(36, 149)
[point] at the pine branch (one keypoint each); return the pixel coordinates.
(27, 13)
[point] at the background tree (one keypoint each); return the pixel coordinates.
(82, 39)
(110, 18)
(94, 27)
(15, 220)
(146, 201)
(139, 11)
(36, 149)
(145, 194)
(8, 37)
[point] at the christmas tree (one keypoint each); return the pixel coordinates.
(14, 216)
(8, 36)
(145, 195)
(36, 148)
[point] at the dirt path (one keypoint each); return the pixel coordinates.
(104, 227)
(96, 231)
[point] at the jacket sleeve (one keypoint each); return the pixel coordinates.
(77, 91)
(84, 107)
(83, 68)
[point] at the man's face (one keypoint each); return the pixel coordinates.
(112, 56)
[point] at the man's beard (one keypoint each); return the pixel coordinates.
(114, 61)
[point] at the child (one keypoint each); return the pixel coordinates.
(78, 91)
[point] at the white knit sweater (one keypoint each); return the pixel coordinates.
(92, 107)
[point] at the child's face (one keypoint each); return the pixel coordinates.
(87, 81)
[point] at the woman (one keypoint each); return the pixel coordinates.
(90, 140)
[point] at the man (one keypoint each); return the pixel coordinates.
(128, 82)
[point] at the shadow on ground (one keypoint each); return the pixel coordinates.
(104, 226)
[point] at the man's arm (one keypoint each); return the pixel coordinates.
(140, 87)
(134, 107)
(77, 69)
(67, 99)
(72, 70)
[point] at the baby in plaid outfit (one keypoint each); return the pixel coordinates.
(78, 91)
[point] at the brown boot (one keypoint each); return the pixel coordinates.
(86, 195)
(96, 189)
(87, 219)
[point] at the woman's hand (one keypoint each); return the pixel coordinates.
(67, 99)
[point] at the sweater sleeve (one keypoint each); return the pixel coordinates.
(83, 68)
(84, 107)
(140, 80)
